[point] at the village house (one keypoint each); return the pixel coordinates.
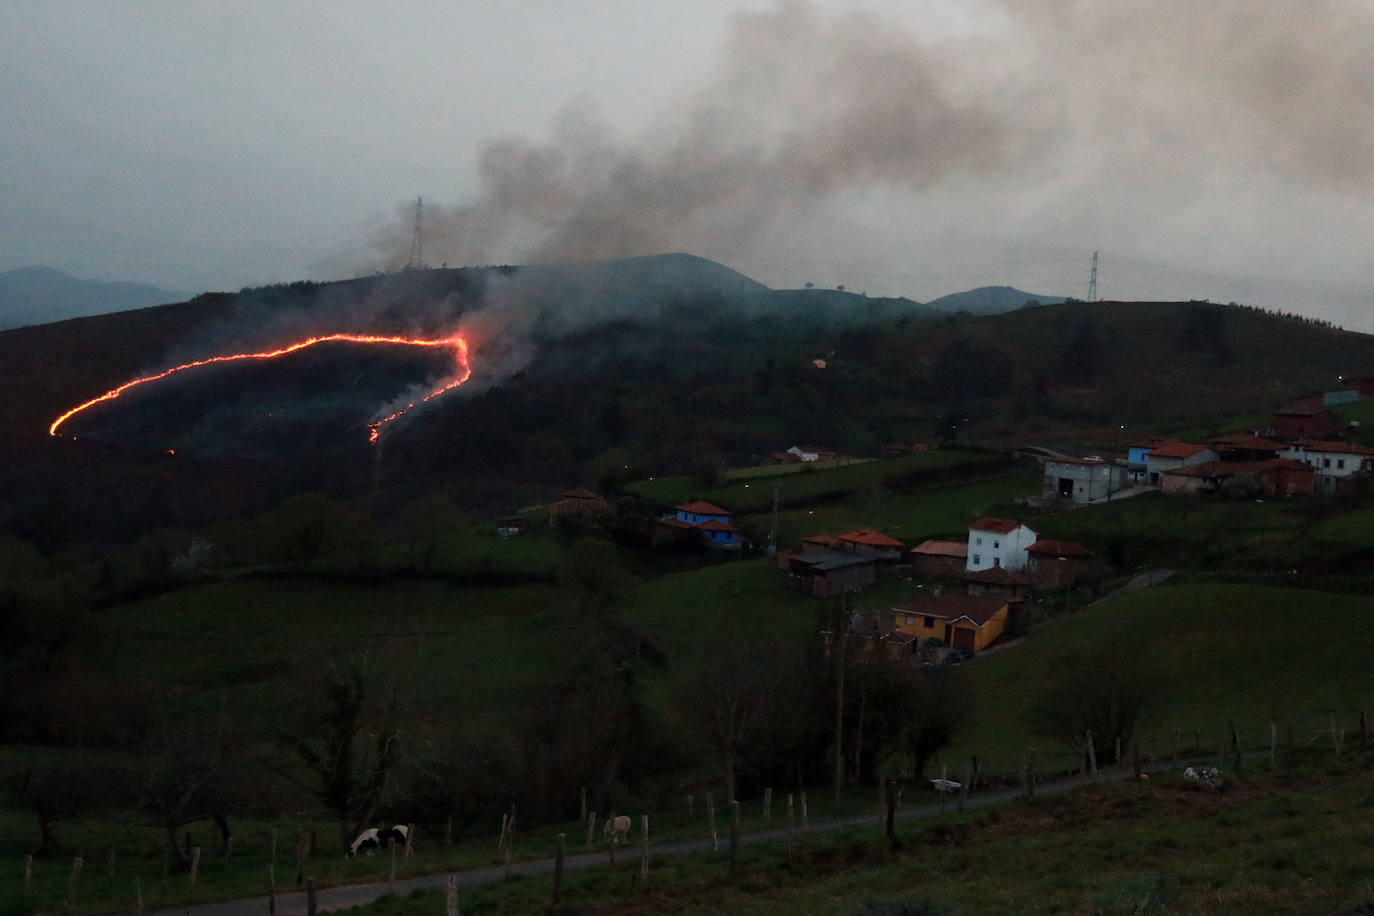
(867, 543)
(1335, 464)
(1136, 458)
(579, 502)
(1305, 422)
(960, 621)
(1082, 480)
(1245, 447)
(939, 559)
(824, 573)
(999, 583)
(710, 522)
(1275, 477)
(994, 542)
(1170, 454)
(1056, 564)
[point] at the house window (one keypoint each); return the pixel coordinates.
(995, 545)
(1340, 464)
(996, 561)
(910, 620)
(978, 541)
(977, 559)
(1326, 462)
(928, 622)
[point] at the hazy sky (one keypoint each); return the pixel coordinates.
(902, 147)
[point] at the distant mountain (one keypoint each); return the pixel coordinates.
(39, 295)
(990, 300)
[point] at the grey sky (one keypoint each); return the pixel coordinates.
(902, 147)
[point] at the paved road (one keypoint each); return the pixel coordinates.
(339, 898)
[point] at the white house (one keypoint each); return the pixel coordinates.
(1334, 462)
(998, 542)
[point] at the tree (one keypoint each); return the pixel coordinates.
(58, 789)
(731, 700)
(347, 741)
(1102, 689)
(184, 775)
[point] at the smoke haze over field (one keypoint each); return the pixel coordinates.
(903, 147)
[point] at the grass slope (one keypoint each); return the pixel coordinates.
(1243, 653)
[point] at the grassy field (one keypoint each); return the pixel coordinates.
(744, 495)
(1248, 654)
(1291, 841)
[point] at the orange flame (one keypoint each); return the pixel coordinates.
(456, 341)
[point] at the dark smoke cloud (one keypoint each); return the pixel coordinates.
(1162, 129)
(1226, 85)
(804, 103)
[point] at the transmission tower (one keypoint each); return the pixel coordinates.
(1092, 280)
(417, 260)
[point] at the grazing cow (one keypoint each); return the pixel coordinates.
(366, 842)
(617, 829)
(372, 839)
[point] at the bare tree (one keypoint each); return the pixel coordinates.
(731, 699)
(1102, 689)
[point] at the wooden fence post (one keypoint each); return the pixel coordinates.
(591, 828)
(1092, 756)
(28, 878)
(271, 889)
(583, 809)
(891, 815)
(944, 777)
(644, 852)
(311, 904)
(410, 840)
(558, 862)
(195, 863)
(734, 833)
(451, 895)
(391, 873)
(790, 824)
(805, 822)
(138, 897)
(73, 879)
(711, 815)
(963, 788)
(1235, 745)
(768, 806)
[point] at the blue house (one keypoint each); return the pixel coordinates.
(709, 521)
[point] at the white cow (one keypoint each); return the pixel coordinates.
(617, 829)
(372, 839)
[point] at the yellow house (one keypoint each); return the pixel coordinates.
(961, 621)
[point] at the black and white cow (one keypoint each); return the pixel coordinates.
(372, 839)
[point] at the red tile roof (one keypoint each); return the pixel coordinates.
(979, 610)
(580, 494)
(714, 525)
(942, 549)
(698, 507)
(871, 538)
(1247, 441)
(1044, 548)
(1000, 525)
(1173, 448)
(828, 540)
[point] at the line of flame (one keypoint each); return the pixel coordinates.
(455, 341)
(464, 373)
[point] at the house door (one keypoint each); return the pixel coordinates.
(1065, 487)
(963, 639)
(948, 629)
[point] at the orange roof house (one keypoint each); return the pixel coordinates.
(961, 621)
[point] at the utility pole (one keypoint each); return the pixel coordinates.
(417, 260)
(1092, 281)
